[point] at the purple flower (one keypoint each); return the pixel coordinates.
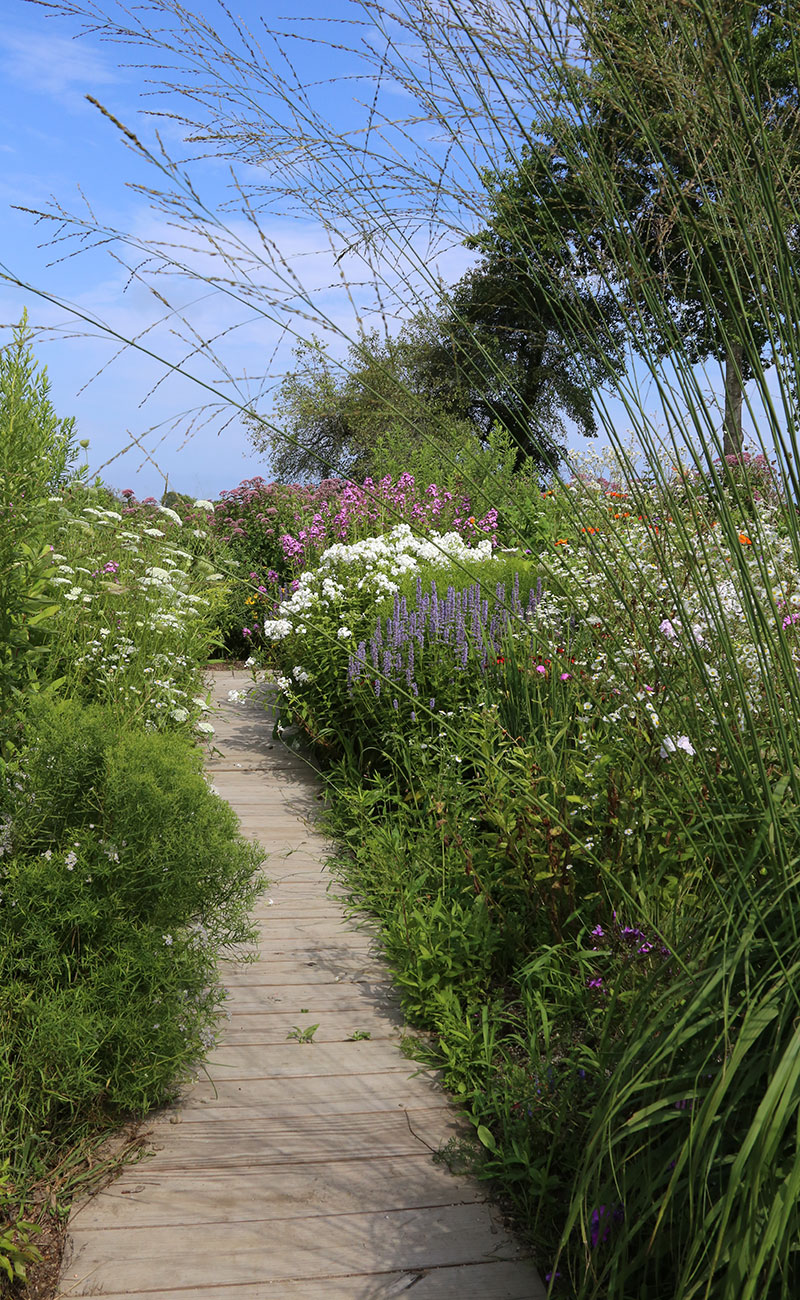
(602, 1220)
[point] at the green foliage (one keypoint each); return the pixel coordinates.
(560, 842)
(37, 448)
(501, 348)
(17, 1250)
(620, 185)
(335, 419)
(36, 453)
(427, 401)
(587, 875)
(123, 878)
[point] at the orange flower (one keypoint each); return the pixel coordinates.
(562, 541)
(745, 540)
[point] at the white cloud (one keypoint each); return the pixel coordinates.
(53, 65)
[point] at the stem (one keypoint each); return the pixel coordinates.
(732, 427)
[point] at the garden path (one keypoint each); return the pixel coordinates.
(297, 1171)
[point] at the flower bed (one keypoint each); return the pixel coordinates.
(553, 787)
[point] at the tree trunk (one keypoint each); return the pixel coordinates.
(732, 426)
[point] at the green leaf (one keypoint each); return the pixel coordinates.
(486, 1137)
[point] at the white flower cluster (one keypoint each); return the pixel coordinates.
(372, 568)
(151, 593)
(709, 592)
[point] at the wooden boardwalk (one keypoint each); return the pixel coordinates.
(296, 1171)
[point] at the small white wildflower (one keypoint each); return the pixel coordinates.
(300, 675)
(344, 633)
(670, 746)
(167, 939)
(283, 683)
(172, 514)
(205, 728)
(235, 696)
(203, 505)
(180, 715)
(152, 532)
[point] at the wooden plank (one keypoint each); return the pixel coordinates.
(245, 1099)
(303, 1192)
(302, 950)
(277, 973)
(300, 1139)
(304, 910)
(344, 996)
(498, 1281)
(272, 1027)
(296, 1060)
(211, 1254)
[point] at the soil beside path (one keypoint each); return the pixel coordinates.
(295, 1170)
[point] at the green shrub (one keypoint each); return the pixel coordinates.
(124, 878)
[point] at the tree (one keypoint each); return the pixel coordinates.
(339, 420)
(645, 191)
(492, 356)
(503, 348)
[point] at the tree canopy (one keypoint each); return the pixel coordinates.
(339, 419)
(642, 186)
(494, 355)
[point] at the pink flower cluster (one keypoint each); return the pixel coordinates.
(360, 510)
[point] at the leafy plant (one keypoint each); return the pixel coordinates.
(303, 1035)
(16, 1247)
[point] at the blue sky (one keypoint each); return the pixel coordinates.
(61, 146)
(58, 145)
